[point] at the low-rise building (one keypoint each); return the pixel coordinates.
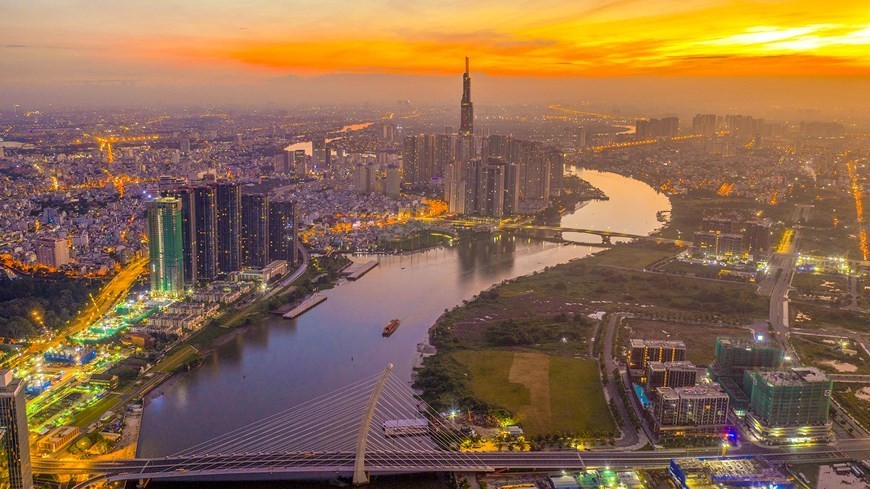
(641, 352)
(670, 374)
(58, 438)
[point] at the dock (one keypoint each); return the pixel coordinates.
(357, 270)
(304, 306)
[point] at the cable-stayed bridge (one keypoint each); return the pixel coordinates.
(374, 426)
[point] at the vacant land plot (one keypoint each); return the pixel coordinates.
(548, 394)
(831, 319)
(854, 398)
(635, 255)
(700, 339)
(827, 354)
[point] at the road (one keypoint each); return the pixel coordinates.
(631, 436)
(781, 271)
(114, 290)
(251, 464)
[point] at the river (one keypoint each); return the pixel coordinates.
(280, 363)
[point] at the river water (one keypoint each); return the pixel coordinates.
(280, 363)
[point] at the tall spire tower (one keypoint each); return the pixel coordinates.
(466, 125)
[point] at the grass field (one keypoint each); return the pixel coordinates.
(548, 394)
(635, 255)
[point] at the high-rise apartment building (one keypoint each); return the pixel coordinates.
(165, 246)
(205, 224)
(52, 252)
(228, 214)
(16, 441)
(704, 124)
(188, 229)
(255, 230)
(393, 182)
(736, 355)
(667, 127)
(282, 232)
(788, 406)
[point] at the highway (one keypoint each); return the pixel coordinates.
(276, 464)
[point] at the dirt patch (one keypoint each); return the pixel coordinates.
(840, 366)
(533, 371)
(863, 394)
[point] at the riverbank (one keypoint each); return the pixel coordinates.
(548, 315)
(345, 332)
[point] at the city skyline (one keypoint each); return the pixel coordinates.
(281, 242)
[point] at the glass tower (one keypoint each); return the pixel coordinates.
(165, 244)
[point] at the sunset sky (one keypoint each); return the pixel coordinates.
(237, 42)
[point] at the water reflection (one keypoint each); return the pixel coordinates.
(281, 363)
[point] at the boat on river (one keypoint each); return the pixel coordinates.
(390, 328)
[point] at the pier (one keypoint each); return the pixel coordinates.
(357, 270)
(304, 306)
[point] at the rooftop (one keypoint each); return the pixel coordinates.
(697, 391)
(640, 343)
(794, 376)
(671, 365)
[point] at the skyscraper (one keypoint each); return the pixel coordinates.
(13, 420)
(229, 217)
(282, 231)
(165, 246)
(255, 230)
(205, 204)
(466, 125)
(188, 229)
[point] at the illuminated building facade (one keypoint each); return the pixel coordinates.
(255, 230)
(205, 214)
(13, 421)
(670, 374)
(188, 230)
(789, 406)
(702, 407)
(165, 247)
(282, 232)
(228, 215)
(641, 352)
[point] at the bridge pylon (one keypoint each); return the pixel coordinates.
(360, 477)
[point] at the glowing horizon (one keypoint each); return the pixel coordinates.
(225, 40)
